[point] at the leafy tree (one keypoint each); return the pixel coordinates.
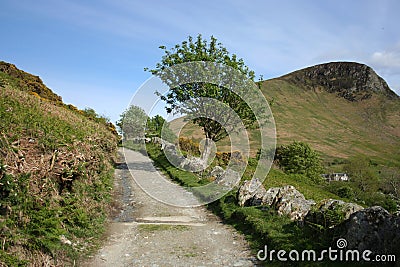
(158, 125)
(345, 191)
(132, 122)
(391, 181)
(362, 174)
(155, 125)
(188, 98)
(299, 158)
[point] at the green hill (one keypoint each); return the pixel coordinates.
(55, 174)
(27, 82)
(341, 109)
(348, 114)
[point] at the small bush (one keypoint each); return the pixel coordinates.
(189, 146)
(345, 192)
(223, 158)
(299, 158)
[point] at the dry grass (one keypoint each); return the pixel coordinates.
(58, 163)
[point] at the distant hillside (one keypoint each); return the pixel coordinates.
(341, 109)
(350, 80)
(56, 175)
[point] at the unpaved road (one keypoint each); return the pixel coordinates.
(147, 232)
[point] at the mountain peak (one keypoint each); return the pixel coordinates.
(350, 80)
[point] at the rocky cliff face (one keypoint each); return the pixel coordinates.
(350, 80)
(374, 229)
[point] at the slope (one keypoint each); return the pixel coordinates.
(342, 109)
(339, 119)
(55, 176)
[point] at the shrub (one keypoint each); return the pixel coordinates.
(345, 191)
(189, 146)
(223, 158)
(299, 158)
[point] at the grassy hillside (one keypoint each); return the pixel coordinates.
(55, 176)
(343, 111)
(334, 126)
(311, 111)
(29, 83)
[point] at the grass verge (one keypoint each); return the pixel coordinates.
(260, 225)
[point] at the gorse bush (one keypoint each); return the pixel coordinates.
(223, 158)
(189, 146)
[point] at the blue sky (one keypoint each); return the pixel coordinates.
(92, 53)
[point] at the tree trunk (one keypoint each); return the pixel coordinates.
(206, 152)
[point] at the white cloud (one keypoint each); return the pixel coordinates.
(389, 59)
(386, 62)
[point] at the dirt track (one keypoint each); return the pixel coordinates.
(147, 232)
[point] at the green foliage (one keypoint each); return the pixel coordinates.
(189, 146)
(342, 189)
(159, 127)
(299, 158)
(188, 98)
(92, 115)
(64, 183)
(182, 177)
(263, 226)
(20, 80)
(378, 199)
(345, 192)
(390, 181)
(310, 190)
(370, 184)
(362, 174)
(267, 153)
(132, 122)
(28, 82)
(260, 225)
(323, 220)
(155, 125)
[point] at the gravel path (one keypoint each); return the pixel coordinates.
(147, 232)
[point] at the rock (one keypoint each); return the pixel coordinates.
(228, 178)
(172, 154)
(156, 140)
(334, 204)
(285, 200)
(322, 213)
(374, 229)
(216, 172)
(65, 241)
(192, 164)
(350, 80)
(237, 157)
(268, 198)
(248, 190)
(291, 202)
